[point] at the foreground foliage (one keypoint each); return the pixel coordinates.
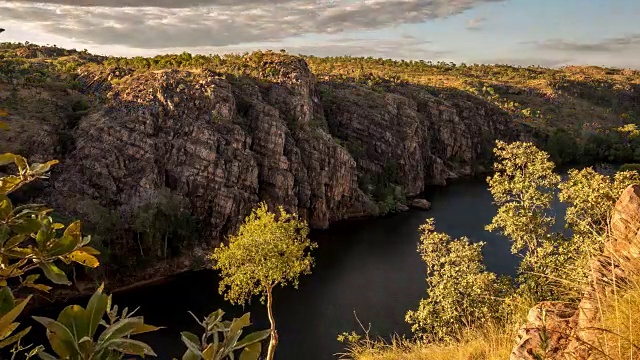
(221, 339)
(269, 250)
(30, 240)
(72, 335)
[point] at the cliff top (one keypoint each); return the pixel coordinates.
(574, 97)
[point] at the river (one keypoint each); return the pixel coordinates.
(369, 266)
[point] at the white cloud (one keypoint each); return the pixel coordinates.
(154, 24)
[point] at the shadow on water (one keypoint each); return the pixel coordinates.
(369, 266)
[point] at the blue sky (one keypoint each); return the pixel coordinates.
(523, 32)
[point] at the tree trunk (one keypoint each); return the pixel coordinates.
(274, 333)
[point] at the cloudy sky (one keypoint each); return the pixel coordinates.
(542, 32)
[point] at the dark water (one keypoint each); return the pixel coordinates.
(367, 266)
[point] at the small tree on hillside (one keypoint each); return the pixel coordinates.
(460, 292)
(269, 250)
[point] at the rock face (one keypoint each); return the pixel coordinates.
(225, 144)
(575, 328)
(419, 138)
(223, 148)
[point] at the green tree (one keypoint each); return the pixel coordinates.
(164, 222)
(269, 250)
(461, 294)
(591, 196)
(522, 187)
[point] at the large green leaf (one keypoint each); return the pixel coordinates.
(84, 259)
(60, 338)
(53, 273)
(6, 158)
(239, 323)
(144, 328)
(63, 245)
(14, 338)
(38, 168)
(9, 183)
(190, 355)
(251, 352)
(211, 351)
(10, 316)
(26, 226)
(96, 309)
(73, 230)
(73, 317)
(252, 338)
(14, 241)
(7, 301)
(124, 328)
(44, 356)
(21, 163)
(131, 347)
(8, 330)
(214, 318)
(5, 206)
(192, 342)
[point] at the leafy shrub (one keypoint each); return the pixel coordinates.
(630, 167)
(210, 347)
(72, 335)
(461, 294)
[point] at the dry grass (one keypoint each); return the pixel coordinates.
(621, 323)
(618, 307)
(490, 343)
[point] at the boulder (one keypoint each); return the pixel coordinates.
(421, 204)
(555, 322)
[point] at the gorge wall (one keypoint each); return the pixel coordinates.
(223, 143)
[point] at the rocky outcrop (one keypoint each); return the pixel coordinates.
(548, 332)
(420, 204)
(221, 146)
(409, 136)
